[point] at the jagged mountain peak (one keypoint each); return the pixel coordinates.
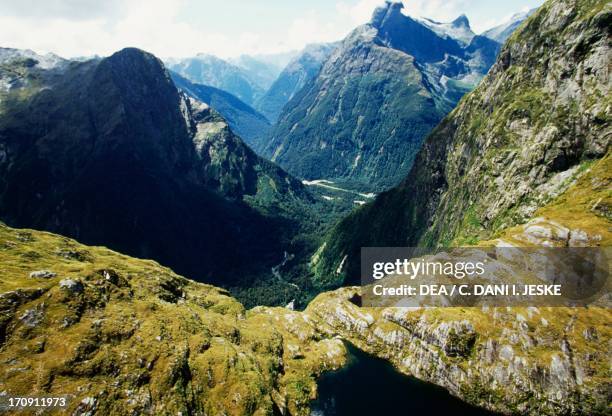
(461, 21)
(383, 13)
(423, 60)
(135, 151)
(459, 29)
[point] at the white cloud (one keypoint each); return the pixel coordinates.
(87, 27)
(441, 10)
(67, 9)
(150, 25)
(313, 28)
(358, 13)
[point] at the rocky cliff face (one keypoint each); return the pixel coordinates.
(113, 142)
(528, 360)
(515, 143)
(363, 118)
(246, 122)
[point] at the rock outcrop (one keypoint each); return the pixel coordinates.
(246, 122)
(117, 335)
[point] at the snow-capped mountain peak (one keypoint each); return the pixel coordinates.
(459, 29)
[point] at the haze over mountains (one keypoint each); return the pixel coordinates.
(215, 72)
(300, 70)
(502, 32)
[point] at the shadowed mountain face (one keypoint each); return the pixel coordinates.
(109, 152)
(536, 122)
(363, 118)
(246, 122)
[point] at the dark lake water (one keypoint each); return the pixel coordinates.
(371, 386)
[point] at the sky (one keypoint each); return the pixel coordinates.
(226, 28)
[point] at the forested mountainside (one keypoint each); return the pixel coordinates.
(363, 118)
(246, 122)
(537, 122)
(110, 152)
(298, 72)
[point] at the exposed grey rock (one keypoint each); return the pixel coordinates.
(72, 286)
(43, 274)
(33, 317)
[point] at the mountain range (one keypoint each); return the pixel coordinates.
(298, 72)
(362, 119)
(262, 69)
(215, 72)
(112, 141)
(538, 121)
(120, 152)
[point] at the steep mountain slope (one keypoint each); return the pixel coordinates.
(515, 143)
(110, 152)
(118, 335)
(502, 32)
(363, 118)
(293, 78)
(243, 119)
(210, 70)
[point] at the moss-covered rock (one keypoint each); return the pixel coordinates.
(119, 335)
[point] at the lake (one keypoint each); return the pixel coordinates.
(371, 386)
